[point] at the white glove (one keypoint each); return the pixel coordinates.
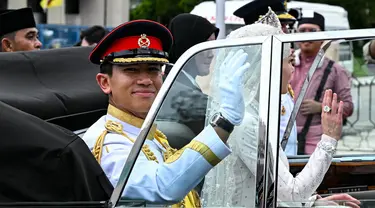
(230, 87)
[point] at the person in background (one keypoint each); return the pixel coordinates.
(186, 103)
(92, 36)
(333, 51)
(252, 11)
(189, 30)
(18, 31)
(328, 75)
(369, 52)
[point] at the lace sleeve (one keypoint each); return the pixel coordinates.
(301, 187)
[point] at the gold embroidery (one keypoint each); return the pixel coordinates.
(170, 158)
(205, 151)
(283, 110)
(113, 126)
(140, 59)
(130, 119)
(149, 154)
(191, 200)
(98, 147)
(199, 147)
(285, 16)
(116, 127)
(290, 90)
(162, 139)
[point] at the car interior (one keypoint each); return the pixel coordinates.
(351, 174)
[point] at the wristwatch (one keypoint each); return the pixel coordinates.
(218, 120)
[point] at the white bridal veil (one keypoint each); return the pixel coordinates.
(232, 182)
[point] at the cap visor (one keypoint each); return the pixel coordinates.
(139, 60)
(286, 16)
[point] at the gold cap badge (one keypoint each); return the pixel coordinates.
(144, 42)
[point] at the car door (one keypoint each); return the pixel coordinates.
(352, 167)
(267, 143)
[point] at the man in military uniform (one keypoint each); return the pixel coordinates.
(18, 31)
(130, 59)
(252, 11)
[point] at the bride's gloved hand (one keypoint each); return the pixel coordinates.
(230, 87)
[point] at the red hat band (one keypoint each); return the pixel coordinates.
(134, 42)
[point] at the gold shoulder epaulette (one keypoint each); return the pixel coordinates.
(113, 126)
(110, 126)
(116, 127)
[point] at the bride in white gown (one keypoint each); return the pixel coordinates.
(232, 182)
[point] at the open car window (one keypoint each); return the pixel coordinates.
(185, 103)
(351, 168)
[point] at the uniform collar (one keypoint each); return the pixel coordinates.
(130, 119)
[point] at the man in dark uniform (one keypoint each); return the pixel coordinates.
(18, 31)
(252, 11)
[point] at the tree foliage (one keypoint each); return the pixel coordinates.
(162, 10)
(361, 13)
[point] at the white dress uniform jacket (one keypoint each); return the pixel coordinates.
(153, 178)
(287, 105)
